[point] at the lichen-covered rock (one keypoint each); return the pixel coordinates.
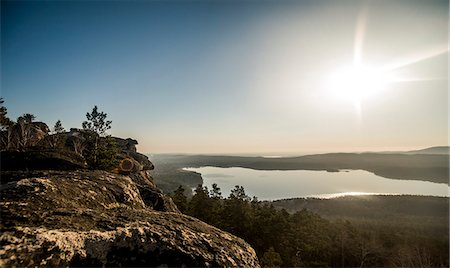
(85, 218)
(150, 194)
(160, 239)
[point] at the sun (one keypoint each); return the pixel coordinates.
(360, 82)
(355, 83)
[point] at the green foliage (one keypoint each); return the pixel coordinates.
(238, 212)
(58, 128)
(28, 118)
(200, 205)
(239, 193)
(106, 154)
(57, 139)
(5, 122)
(96, 122)
(304, 239)
(180, 199)
(215, 192)
(271, 258)
(100, 152)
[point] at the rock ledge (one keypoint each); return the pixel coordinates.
(97, 218)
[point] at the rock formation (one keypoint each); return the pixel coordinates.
(63, 151)
(131, 160)
(77, 217)
(57, 212)
(23, 134)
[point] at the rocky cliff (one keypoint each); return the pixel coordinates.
(73, 216)
(80, 218)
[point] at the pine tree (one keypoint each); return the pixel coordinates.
(29, 118)
(58, 128)
(96, 122)
(5, 122)
(200, 205)
(180, 199)
(57, 139)
(215, 192)
(271, 258)
(101, 149)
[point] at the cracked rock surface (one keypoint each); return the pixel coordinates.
(96, 218)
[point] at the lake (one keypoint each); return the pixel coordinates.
(279, 184)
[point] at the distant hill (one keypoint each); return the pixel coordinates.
(432, 150)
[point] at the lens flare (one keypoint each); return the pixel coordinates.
(357, 82)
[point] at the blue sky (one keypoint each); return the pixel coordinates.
(227, 77)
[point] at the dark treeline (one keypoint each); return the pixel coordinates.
(305, 239)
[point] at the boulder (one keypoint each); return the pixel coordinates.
(131, 160)
(128, 145)
(96, 218)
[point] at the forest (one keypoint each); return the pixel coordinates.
(305, 239)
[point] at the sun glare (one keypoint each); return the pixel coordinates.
(356, 83)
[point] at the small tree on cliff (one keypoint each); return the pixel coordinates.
(101, 148)
(5, 122)
(58, 128)
(29, 118)
(180, 199)
(96, 121)
(57, 139)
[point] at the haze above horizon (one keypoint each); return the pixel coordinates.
(235, 77)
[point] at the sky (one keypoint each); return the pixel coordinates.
(234, 77)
